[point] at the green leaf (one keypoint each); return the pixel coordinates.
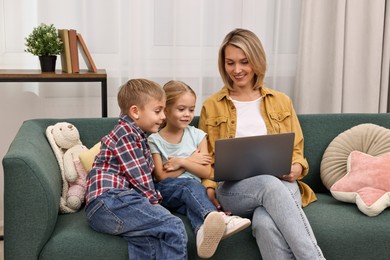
(44, 40)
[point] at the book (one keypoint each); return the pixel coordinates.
(85, 53)
(66, 62)
(74, 53)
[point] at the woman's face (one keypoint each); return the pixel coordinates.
(238, 67)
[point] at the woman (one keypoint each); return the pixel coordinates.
(245, 107)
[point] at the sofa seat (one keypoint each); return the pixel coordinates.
(344, 232)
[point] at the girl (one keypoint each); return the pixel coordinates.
(182, 160)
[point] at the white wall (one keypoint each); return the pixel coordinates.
(156, 39)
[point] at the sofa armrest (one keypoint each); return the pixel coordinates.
(32, 190)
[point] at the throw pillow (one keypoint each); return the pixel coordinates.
(367, 138)
(367, 183)
(88, 157)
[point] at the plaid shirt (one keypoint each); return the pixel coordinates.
(124, 162)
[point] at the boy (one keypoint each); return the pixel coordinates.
(121, 198)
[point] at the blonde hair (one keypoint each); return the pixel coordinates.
(250, 44)
(138, 92)
(173, 90)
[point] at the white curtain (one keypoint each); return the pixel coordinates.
(170, 39)
(344, 57)
(156, 39)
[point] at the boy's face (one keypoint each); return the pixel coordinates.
(150, 117)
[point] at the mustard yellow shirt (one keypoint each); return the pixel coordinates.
(218, 120)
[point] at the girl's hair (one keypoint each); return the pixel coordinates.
(250, 44)
(138, 92)
(173, 90)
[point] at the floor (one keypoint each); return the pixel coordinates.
(1, 245)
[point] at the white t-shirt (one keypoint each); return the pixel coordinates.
(249, 119)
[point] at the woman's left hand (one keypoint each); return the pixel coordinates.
(296, 170)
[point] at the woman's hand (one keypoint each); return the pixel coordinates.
(213, 198)
(296, 171)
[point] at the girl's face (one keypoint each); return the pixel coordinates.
(238, 67)
(181, 113)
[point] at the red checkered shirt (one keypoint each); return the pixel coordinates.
(124, 162)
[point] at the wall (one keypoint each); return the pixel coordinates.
(156, 39)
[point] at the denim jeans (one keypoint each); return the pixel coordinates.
(279, 224)
(188, 197)
(151, 231)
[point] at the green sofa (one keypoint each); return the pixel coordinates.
(35, 230)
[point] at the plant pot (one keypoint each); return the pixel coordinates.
(48, 63)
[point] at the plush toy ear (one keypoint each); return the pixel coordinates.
(50, 136)
(57, 151)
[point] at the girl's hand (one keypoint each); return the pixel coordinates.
(296, 171)
(200, 158)
(172, 164)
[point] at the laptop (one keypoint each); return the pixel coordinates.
(244, 157)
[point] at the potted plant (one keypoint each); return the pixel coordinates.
(45, 43)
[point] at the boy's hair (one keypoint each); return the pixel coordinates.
(138, 92)
(174, 89)
(250, 44)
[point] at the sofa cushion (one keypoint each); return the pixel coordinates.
(367, 183)
(371, 139)
(344, 233)
(74, 239)
(88, 157)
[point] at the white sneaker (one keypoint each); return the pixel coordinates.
(234, 224)
(209, 234)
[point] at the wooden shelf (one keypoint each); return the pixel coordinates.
(7, 75)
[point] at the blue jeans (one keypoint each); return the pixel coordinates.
(279, 224)
(188, 197)
(151, 231)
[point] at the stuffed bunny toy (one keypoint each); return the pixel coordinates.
(65, 141)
